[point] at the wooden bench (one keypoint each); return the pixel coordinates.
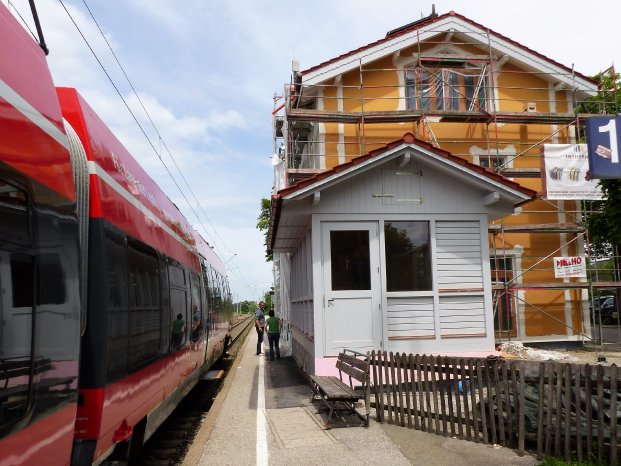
(337, 395)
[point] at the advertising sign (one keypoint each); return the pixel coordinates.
(565, 267)
(604, 141)
(565, 169)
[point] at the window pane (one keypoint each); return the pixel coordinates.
(178, 304)
(13, 210)
(17, 283)
(51, 280)
(349, 254)
(502, 272)
(408, 256)
(176, 275)
(410, 89)
(144, 312)
(118, 325)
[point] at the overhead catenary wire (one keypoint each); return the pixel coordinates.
(25, 23)
(161, 140)
(138, 122)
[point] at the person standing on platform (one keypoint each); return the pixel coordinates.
(259, 325)
(274, 326)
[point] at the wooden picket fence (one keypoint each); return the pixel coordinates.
(562, 410)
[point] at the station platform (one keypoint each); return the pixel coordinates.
(263, 415)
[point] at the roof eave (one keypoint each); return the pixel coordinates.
(390, 45)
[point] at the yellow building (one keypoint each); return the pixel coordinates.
(479, 95)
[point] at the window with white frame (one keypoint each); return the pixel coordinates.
(502, 270)
(447, 85)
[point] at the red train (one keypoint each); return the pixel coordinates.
(110, 303)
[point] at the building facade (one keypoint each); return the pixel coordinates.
(484, 98)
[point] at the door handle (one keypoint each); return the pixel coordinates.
(330, 302)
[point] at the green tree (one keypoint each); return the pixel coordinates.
(263, 224)
(268, 297)
(604, 217)
(247, 307)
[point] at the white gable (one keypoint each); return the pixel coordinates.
(448, 24)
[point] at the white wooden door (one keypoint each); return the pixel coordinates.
(351, 284)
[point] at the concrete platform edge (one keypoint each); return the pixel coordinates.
(193, 456)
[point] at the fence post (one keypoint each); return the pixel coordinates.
(541, 412)
(614, 374)
(400, 386)
(379, 401)
(420, 360)
(456, 382)
(448, 383)
(473, 401)
(522, 411)
(567, 414)
(416, 399)
(600, 412)
(589, 410)
(480, 385)
(578, 404)
(410, 395)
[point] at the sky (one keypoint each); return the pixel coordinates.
(207, 72)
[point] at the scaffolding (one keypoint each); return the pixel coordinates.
(463, 96)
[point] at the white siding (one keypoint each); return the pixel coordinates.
(462, 316)
(410, 318)
(460, 270)
(458, 256)
(302, 289)
(417, 188)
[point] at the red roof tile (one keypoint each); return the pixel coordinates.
(408, 138)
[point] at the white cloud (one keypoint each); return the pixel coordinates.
(207, 71)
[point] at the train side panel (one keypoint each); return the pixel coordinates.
(39, 259)
(144, 271)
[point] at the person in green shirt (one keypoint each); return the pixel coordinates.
(178, 327)
(274, 325)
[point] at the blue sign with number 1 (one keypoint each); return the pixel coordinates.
(603, 142)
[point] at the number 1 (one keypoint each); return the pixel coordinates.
(611, 128)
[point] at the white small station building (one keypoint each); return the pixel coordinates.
(389, 252)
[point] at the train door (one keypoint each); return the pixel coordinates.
(198, 318)
(178, 306)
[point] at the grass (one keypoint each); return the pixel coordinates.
(557, 462)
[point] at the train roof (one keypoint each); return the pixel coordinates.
(124, 194)
(32, 135)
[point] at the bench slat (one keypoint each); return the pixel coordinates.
(334, 389)
(354, 372)
(352, 360)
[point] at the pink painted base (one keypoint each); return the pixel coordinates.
(327, 366)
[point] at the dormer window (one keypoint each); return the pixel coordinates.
(446, 86)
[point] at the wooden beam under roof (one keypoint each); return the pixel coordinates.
(397, 116)
(557, 285)
(538, 228)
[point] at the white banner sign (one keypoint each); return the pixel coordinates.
(570, 267)
(564, 173)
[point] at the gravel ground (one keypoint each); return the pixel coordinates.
(586, 355)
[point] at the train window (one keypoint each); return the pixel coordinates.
(14, 208)
(197, 308)
(51, 280)
(178, 306)
(215, 291)
(144, 307)
(16, 327)
(178, 303)
(176, 275)
(118, 329)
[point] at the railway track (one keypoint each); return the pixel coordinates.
(170, 443)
